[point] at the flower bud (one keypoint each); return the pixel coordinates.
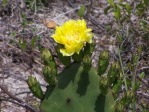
(35, 87)
(103, 84)
(49, 75)
(113, 73)
(117, 86)
(103, 62)
(46, 55)
(47, 58)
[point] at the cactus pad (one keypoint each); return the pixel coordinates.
(76, 91)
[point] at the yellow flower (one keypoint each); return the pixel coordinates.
(73, 35)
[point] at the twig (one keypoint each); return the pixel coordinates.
(143, 95)
(19, 101)
(12, 101)
(134, 82)
(65, 13)
(21, 78)
(147, 67)
(125, 82)
(24, 92)
(68, 12)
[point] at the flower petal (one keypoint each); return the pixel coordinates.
(73, 34)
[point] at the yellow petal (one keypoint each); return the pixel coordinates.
(73, 34)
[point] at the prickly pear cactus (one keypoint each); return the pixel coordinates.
(79, 87)
(77, 91)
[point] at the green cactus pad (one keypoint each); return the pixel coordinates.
(76, 91)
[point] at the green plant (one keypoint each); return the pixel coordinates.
(4, 2)
(81, 11)
(35, 4)
(76, 88)
(118, 9)
(24, 21)
(80, 87)
(22, 44)
(129, 36)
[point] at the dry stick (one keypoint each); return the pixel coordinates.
(74, 9)
(20, 102)
(142, 95)
(22, 78)
(36, 61)
(24, 92)
(12, 101)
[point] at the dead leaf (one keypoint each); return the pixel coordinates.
(51, 24)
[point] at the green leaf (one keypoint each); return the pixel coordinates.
(117, 87)
(22, 43)
(142, 75)
(23, 15)
(135, 59)
(121, 5)
(4, 2)
(107, 9)
(117, 12)
(81, 11)
(33, 42)
(120, 1)
(128, 8)
(146, 2)
(111, 2)
(140, 9)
